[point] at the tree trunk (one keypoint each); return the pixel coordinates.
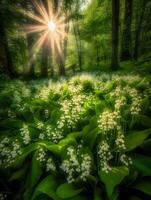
(115, 34)
(138, 31)
(30, 55)
(126, 37)
(44, 63)
(78, 44)
(61, 58)
(5, 57)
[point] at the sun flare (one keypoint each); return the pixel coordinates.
(48, 25)
(52, 26)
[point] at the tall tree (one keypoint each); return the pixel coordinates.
(126, 49)
(5, 57)
(60, 58)
(139, 28)
(7, 19)
(115, 34)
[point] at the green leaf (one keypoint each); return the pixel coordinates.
(67, 191)
(47, 186)
(18, 175)
(89, 132)
(11, 123)
(25, 152)
(145, 120)
(54, 148)
(113, 178)
(36, 171)
(135, 139)
(142, 164)
(144, 186)
(99, 107)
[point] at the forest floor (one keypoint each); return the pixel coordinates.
(56, 126)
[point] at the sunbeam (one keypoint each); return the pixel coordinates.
(49, 26)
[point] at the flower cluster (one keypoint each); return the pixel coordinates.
(70, 165)
(25, 134)
(9, 153)
(119, 103)
(85, 166)
(105, 156)
(125, 160)
(72, 111)
(120, 139)
(40, 125)
(136, 105)
(50, 165)
(54, 134)
(73, 167)
(108, 121)
(41, 155)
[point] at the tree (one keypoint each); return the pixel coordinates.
(139, 28)
(126, 49)
(7, 21)
(5, 55)
(115, 34)
(60, 58)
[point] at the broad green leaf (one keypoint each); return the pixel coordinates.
(68, 140)
(113, 178)
(89, 138)
(67, 191)
(11, 123)
(144, 186)
(47, 186)
(36, 171)
(135, 139)
(54, 148)
(145, 120)
(142, 164)
(100, 106)
(18, 175)
(89, 132)
(25, 152)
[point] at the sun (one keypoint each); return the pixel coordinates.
(52, 26)
(49, 26)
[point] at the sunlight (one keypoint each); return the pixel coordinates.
(52, 26)
(46, 22)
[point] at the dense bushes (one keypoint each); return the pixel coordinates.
(86, 137)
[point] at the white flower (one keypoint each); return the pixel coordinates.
(41, 156)
(50, 165)
(40, 125)
(125, 160)
(54, 134)
(85, 166)
(105, 156)
(120, 139)
(25, 134)
(108, 121)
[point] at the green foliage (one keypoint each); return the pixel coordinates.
(113, 178)
(66, 191)
(76, 139)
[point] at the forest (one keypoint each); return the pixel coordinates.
(75, 96)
